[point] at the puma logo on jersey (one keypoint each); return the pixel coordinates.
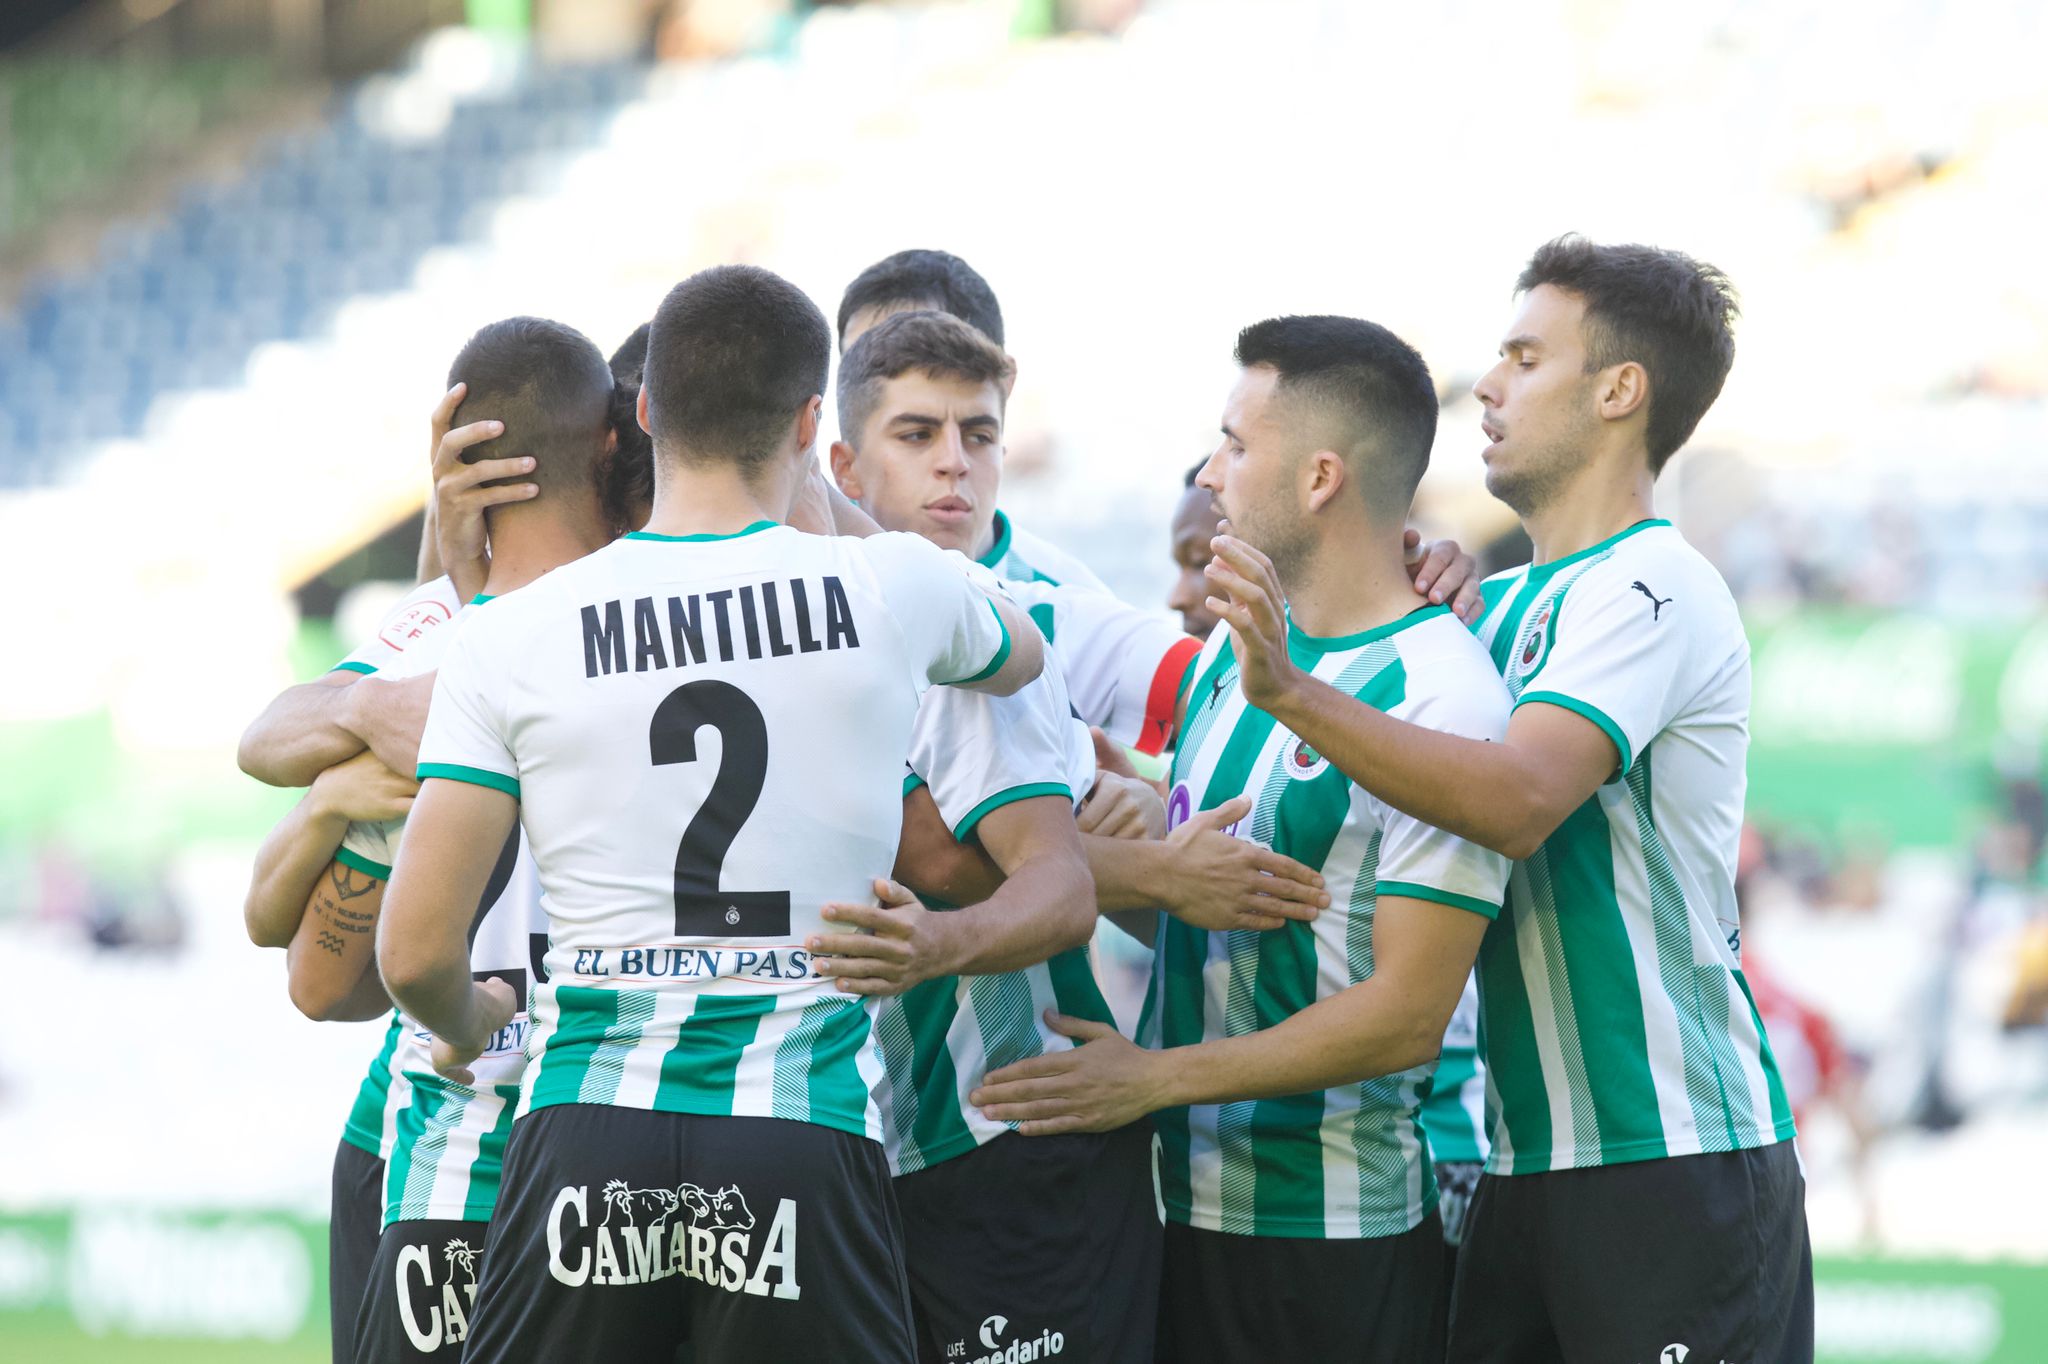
(1657, 603)
(647, 1235)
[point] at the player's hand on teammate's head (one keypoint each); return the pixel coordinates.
(363, 788)
(1443, 572)
(460, 499)
(1220, 882)
(887, 948)
(1247, 598)
(390, 714)
(1123, 807)
(494, 1006)
(1097, 1086)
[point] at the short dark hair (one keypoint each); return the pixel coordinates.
(549, 384)
(732, 354)
(1365, 391)
(632, 473)
(1669, 313)
(920, 279)
(928, 342)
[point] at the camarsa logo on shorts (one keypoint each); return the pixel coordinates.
(447, 1324)
(646, 1235)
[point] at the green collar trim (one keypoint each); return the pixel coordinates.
(1541, 571)
(1299, 641)
(700, 539)
(1002, 545)
(480, 598)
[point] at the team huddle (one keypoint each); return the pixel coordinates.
(724, 828)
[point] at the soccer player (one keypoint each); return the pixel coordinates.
(1195, 519)
(701, 729)
(1300, 1208)
(1642, 1198)
(1059, 1243)
(1454, 1106)
(443, 1138)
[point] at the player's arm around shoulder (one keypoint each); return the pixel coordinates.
(298, 848)
(959, 626)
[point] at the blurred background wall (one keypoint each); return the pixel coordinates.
(240, 241)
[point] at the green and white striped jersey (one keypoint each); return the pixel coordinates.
(1348, 1162)
(978, 753)
(418, 616)
(1454, 1108)
(1018, 556)
(706, 737)
(1614, 1018)
(444, 1142)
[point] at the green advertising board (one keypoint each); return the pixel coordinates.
(1884, 726)
(115, 1286)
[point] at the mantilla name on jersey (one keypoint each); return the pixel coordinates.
(626, 1236)
(674, 632)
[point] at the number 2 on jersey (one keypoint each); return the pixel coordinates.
(702, 909)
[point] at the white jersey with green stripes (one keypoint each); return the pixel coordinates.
(1348, 1162)
(1123, 667)
(417, 622)
(976, 754)
(444, 1142)
(706, 736)
(417, 617)
(1018, 556)
(1614, 1018)
(1454, 1109)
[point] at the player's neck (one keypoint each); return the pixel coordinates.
(1605, 498)
(714, 499)
(527, 540)
(1354, 581)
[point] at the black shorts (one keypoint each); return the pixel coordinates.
(1228, 1299)
(355, 1210)
(422, 1292)
(620, 1232)
(1047, 1240)
(1707, 1254)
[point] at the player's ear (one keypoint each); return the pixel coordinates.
(1010, 384)
(843, 471)
(807, 421)
(1624, 390)
(640, 410)
(1323, 477)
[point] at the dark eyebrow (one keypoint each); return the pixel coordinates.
(1523, 342)
(1232, 434)
(978, 421)
(916, 419)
